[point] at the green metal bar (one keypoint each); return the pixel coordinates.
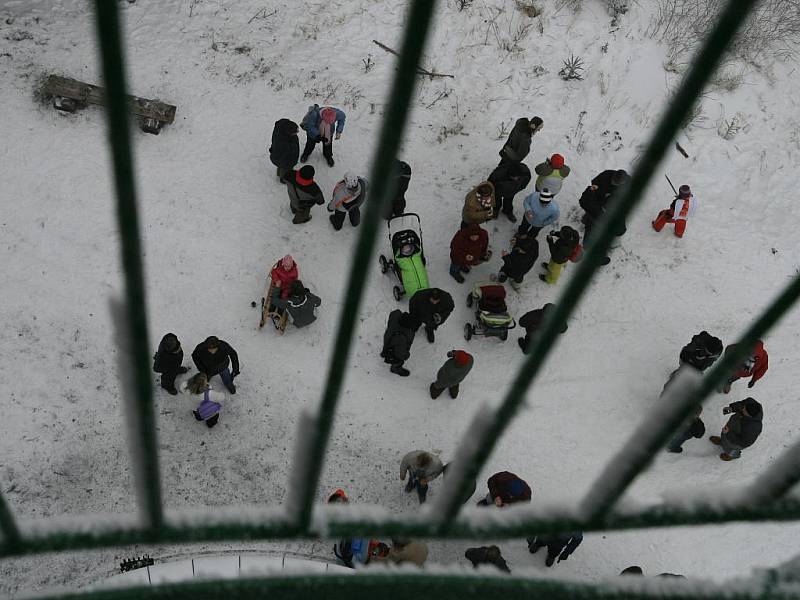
(780, 477)
(8, 524)
(416, 31)
(626, 199)
(444, 586)
(112, 59)
(623, 468)
(519, 525)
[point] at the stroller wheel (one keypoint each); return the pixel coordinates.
(468, 331)
(504, 335)
(383, 263)
(470, 300)
(398, 292)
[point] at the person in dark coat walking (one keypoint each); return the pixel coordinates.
(303, 193)
(519, 261)
(301, 303)
(402, 177)
(693, 428)
(431, 307)
(595, 198)
(452, 373)
(754, 366)
(700, 353)
(487, 555)
(518, 144)
(468, 248)
(531, 321)
(397, 341)
(322, 125)
(506, 488)
(742, 429)
(167, 361)
(508, 179)
(564, 246)
(285, 148)
(213, 357)
(559, 546)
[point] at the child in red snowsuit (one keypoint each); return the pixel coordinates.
(679, 211)
(754, 367)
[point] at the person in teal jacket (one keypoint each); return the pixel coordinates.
(540, 211)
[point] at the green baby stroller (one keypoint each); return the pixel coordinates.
(408, 257)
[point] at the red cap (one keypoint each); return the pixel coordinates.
(556, 161)
(462, 358)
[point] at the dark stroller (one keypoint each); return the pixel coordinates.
(491, 313)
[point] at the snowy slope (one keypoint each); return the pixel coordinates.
(214, 219)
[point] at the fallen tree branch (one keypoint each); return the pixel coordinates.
(420, 70)
(262, 14)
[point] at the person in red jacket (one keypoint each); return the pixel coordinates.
(754, 367)
(469, 247)
(506, 488)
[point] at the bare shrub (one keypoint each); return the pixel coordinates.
(528, 8)
(773, 26)
(572, 69)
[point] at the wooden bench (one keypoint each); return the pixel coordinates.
(70, 94)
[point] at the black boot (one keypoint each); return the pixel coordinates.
(399, 370)
(429, 334)
(435, 392)
(171, 389)
(453, 389)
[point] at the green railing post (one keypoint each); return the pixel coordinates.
(146, 466)
(311, 460)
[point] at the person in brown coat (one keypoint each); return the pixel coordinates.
(469, 247)
(478, 204)
(405, 551)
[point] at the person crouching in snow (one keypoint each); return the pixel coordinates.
(300, 306)
(754, 367)
(422, 468)
(506, 488)
(208, 409)
(281, 276)
(519, 261)
(468, 248)
(741, 430)
(453, 371)
(348, 195)
(682, 207)
(564, 246)
(397, 340)
(551, 174)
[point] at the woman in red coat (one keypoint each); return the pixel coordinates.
(469, 247)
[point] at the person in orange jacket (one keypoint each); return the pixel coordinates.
(754, 367)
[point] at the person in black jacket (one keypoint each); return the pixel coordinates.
(402, 177)
(303, 193)
(558, 546)
(284, 152)
(487, 555)
(397, 341)
(595, 198)
(167, 361)
(508, 179)
(213, 356)
(741, 430)
(431, 307)
(531, 321)
(693, 428)
(518, 144)
(700, 353)
(519, 261)
(563, 246)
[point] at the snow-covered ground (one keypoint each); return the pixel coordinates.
(214, 219)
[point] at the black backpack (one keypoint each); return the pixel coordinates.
(344, 551)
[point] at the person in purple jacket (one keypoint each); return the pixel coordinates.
(208, 409)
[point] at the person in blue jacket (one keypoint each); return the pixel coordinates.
(540, 211)
(322, 125)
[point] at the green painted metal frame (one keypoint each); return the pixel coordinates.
(598, 509)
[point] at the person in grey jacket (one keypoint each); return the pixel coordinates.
(303, 193)
(518, 145)
(421, 467)
(741, 430)
(348, 196)
(452, 373)
(301, 303)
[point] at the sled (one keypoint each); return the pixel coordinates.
(70, 95)
(269, 312)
